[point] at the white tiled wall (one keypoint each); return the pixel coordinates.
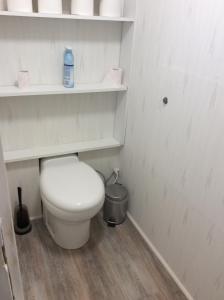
(173, 160)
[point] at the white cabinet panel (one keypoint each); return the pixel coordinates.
(5, 283)
(5, 286)
(9, 240)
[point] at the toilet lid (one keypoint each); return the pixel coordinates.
(70, 184)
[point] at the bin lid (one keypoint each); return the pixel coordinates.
(116, 192)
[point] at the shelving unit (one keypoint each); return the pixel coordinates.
(38, 90)
(65, 16)
(36, 42)
(48, 151)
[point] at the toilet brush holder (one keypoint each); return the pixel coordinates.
(20, 6)
(22, 223)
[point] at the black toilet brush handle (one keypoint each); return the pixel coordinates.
(20, 198)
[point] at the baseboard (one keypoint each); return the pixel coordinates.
(35, 218)
(160, 258)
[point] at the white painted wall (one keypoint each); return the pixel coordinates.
(173, 160)
(29, 122)
(104, 160)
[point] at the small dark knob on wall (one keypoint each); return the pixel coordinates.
(165, 100)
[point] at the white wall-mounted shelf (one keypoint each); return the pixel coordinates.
(65, 16)
(98, 46)
(49, 151)
(36, 90)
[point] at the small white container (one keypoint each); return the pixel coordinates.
(20, 5)
(2, 5)
(82, 7)
(114, 76)
(23, 79)
(50, 6)
(111, 8)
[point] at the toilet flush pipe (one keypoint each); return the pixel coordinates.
(114, 174)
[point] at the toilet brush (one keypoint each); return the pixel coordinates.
(22, 221)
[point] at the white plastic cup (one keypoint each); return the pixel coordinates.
(50, 6)
(20, 5)
(2, 5)
(23, 79)
(111, 8)
(82, 7)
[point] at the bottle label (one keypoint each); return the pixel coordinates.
(68, 76)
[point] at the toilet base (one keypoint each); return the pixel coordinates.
(68, 235)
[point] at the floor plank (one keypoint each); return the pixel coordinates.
(115, 264)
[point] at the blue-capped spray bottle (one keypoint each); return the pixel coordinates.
(68, 68)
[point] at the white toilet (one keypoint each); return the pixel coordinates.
(72, 193)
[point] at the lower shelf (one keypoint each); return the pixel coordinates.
(40, 90)
(35, 153)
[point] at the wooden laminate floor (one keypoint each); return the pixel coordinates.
(114, 264)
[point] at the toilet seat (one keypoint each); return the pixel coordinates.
(70, 185)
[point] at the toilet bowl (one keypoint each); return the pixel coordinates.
(72, 194)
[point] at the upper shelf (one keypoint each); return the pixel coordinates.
(38, 90)
(65, 16)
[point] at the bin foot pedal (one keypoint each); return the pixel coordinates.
(111, 223)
